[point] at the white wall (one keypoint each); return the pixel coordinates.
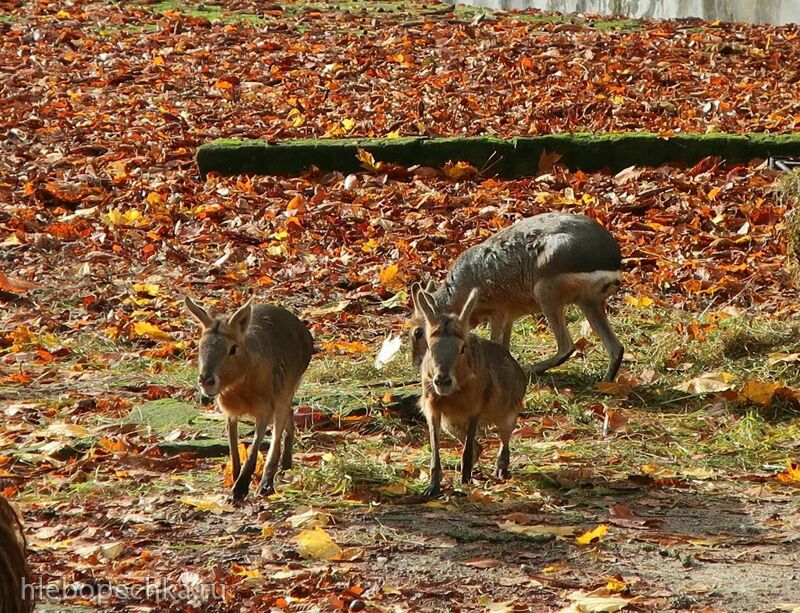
(757, 11)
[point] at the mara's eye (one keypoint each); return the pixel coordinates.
(233, 349)
(417, 333)
(463, 348)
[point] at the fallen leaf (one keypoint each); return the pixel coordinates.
(317, 544)
(640, 302)
(143, 328)
(68, 430)
(481, 562)
(388, 352)
(537, 530)
(707, 383)
(595, 604)
(592, 535)
(789, 476)
(459, 171)
(212, 505)
(12, 284)
(778, 357)
(760, 392)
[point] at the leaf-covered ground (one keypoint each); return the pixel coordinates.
(104, 225)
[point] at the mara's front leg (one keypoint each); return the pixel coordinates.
(280, 421)
(468, 455)
(435, 431)
(242, 484)
(233, 446)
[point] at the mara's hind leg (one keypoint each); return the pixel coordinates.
(504, 456)
(288, 444)
(596, 316)
(501, 330)
(460, 432)
(554, 313)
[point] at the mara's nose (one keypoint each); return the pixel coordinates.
(443, 380)
(207, 380)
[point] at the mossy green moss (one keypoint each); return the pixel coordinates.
(493, 156)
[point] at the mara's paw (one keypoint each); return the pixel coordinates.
(266, 490)
(239, 491)
(432, 491)
(502, 474)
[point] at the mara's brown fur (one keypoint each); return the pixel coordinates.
(14, 570)
(467, 383)
(253, 362)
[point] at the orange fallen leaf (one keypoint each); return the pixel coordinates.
(13, 284)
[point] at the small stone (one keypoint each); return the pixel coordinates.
(357, 605)
(350, 182)
(487, 212)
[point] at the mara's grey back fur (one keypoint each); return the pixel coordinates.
(537, 265)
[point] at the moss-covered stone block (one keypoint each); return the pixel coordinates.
(493, 156)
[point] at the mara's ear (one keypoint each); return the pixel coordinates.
(241, 318)
(469, 306)
(199, 313)
(416, 288)
(427, 306)
(431, 286)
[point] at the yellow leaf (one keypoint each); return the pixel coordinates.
(143, 328)
(459, 170)
(790, 475)
(346, 347)
(348, 124)
(158, 60)
(370, 246)
(393, 134)
(249, 575)
(68, 430)
(317, 544)
(395, 489)
(640, 302)
(128, 218)
(615, 586)
(297, 117)
(154, 199)
(760, 392)
(653, 469)
(151, 289)
(243, 453)
(592, 535)
(388, 274)
(368, 160)
(713, 193)
(211, 505)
